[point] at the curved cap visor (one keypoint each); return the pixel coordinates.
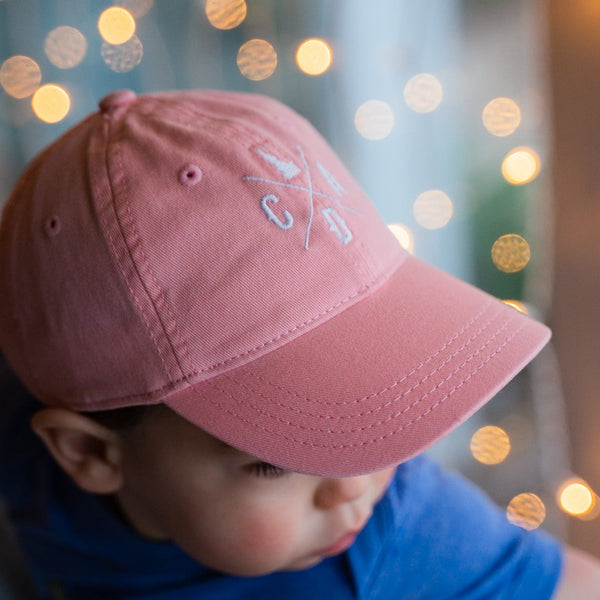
(376, 384)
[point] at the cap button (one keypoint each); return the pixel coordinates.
(116, 100)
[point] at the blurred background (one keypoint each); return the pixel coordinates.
(473, 126)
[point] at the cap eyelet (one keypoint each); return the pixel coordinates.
(190, 175)
(52, 226)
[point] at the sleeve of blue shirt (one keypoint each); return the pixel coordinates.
(441, 538)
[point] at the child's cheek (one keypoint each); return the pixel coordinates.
(269, 538)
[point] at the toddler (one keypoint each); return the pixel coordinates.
(232, 368)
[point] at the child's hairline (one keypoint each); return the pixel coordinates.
(129, 418)
(125, 418)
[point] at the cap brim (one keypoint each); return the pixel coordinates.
(375, 385)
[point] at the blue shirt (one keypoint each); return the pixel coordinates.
(433, 536)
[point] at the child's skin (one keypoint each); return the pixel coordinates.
(226, 509)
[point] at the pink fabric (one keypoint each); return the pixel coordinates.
(375, 386)
(209, 250)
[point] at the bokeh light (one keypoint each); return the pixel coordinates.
(576, 498)
(314, 56)
(122, 58)
(521, 165)
(51, 103)
(225, 14)
(257, 60)
(511, 253)
(490, 445)
(526, 510)
(433, 209)
(65, 47)
(423, 93)
(374, 119)
(517, 305)
(403, 235)
(138, 8)
(116, 25)
(20, 76)
(501, 116)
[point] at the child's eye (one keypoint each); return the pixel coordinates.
(264, 469)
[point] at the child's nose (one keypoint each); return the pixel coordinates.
(334, 491)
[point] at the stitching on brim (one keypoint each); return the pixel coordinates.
(374, 395)
(405, 377)
(362, 414)
(379, 438)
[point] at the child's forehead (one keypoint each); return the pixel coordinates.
(222, 448)
(177, 426)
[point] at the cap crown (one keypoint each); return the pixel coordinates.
(171, 237)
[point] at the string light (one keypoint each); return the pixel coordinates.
(20, 76)
(527, 511)
(423, 93)
(521, 165)
(65, 47)
(575, 497)
(490, 445)
(433, 209)
(225, 14)
(314, 56)
(511, 253)
(403, 235)
(501, 116)
(51, 103)
(374, 119)
(123, 58)
(257, 60)
(116, 25)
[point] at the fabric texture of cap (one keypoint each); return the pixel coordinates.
(208, 250)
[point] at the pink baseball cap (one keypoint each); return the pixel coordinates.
(209, 251)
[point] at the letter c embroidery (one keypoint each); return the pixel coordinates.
(271, 216)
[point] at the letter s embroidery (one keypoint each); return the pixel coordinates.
(271, 216)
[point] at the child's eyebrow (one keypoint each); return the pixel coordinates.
(225, 449)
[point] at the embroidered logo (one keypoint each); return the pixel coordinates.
(287, 168)
(285, 220)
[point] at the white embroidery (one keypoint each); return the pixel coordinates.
(335, 222)
(311, 200)
(289, 220)
(333, 182)
(287, 168)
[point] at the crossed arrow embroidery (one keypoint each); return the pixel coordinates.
(289, 169)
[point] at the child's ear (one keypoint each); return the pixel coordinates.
(87, 451)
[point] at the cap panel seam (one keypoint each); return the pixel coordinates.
(105, 218)
(168, 324)
(223, 127)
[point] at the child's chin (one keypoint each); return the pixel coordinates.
(304, 563)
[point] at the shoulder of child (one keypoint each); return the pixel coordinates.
(580, 578)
